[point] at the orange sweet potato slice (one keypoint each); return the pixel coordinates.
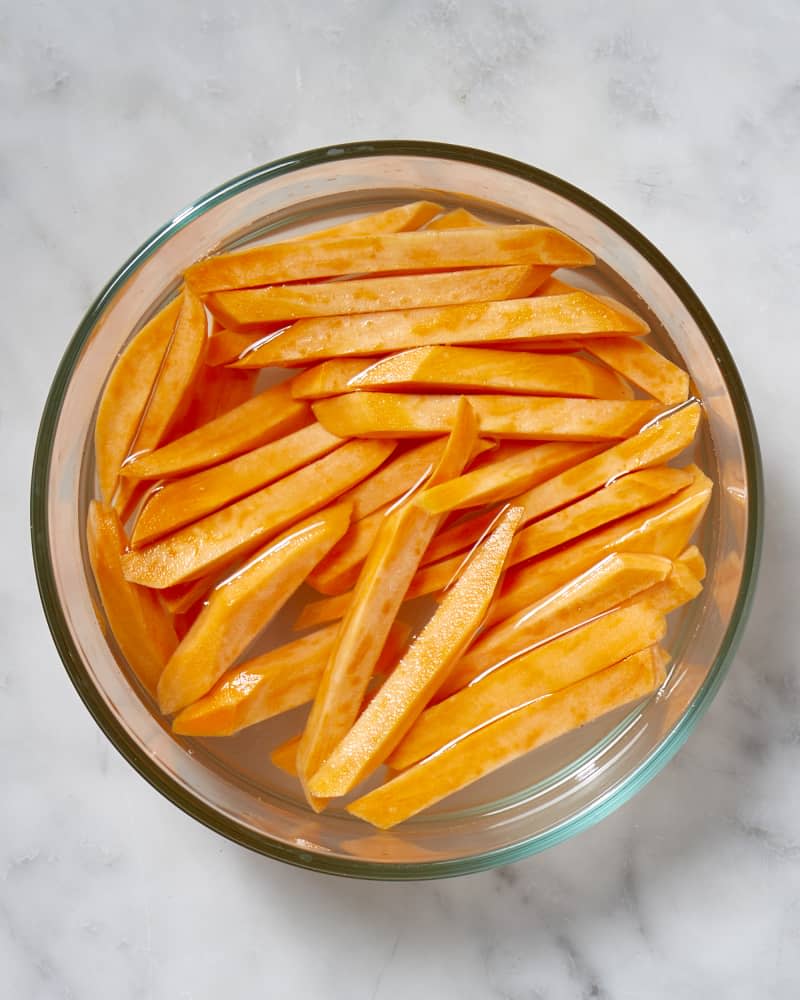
(664, 530)
(243, 604)
(390, 565)
(459, 218)
(623, 496)
(599, 589)
(228, 346)
(172, 390)
(399, 219)
(237, 530)
(269, 415)
(183, 596)
(475, 369)
(410, 685)
(508, 738)
(555, 286)
(284, 756)
(425, 250)
(126, 393)
(217, 391)
(321, 612)
(654, 445)
(564, 660)
(679, 587)
(329, 378)
(505, 477)
(142, 629)
(278, 681)
(542, 418)
(643, 366)
(693, 559)
(247, 308)
(340, 568)
(578, 314)
(185, 500)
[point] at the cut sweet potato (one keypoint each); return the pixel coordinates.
(654, 445)
(237, 530)
(328, 609)
(664, 530)
(404, 693)
(680, 587)
(475, 369)
(578, 314)
(188, 499)
(126, 393)
(505, 477)
(267, 416)
(242, 605)
(227, 346)
(284, 756)
(172, 390)
(385, 414)
(564, 660)
(693, 559)
(643, 366)
(425, 250)
(280, 680)
(340, 568)
(599, 589)
(395, 478)
(459, 536)
(508, 738)
(622, 496)
(138, 623)
(216, 391)
(381, 586)
(400, 219)
(329, 378)
(183, 596)
(252, 307)
(459, 218)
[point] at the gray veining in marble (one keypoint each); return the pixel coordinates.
(686, 119)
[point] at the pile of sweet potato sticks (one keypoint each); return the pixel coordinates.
(456, 422)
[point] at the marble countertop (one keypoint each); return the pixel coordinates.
(684, 118)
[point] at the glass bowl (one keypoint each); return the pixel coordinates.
(229, 784)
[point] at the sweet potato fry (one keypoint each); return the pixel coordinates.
(269, 415)
(693, 559)
(188, 499)
(459, 218)
(425, 250)
(663, 530)
(237, 530)
(622, 496)
(248, 308)
(475, 369)
(555, 286)
(328, 609)
(654, 445)
(217, 391)
(400, 219)
(339, 570)
(183, 596)
(280, 680)
(578, 314)
(498, 480)
(680, 587)
(328, 378)
(542, 418)
(141, 628)
(172, 389)
(404, 693)
(227, 346)
(564, 660)
(508, 738)
(242, 605)
(387, 571)
(284, 756)
(126, 393)
(643, 366)
(599, 589)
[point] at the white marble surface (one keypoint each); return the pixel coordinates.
(686, 119)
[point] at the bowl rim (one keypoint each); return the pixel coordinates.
(262, 843)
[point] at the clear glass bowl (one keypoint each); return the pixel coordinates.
(229, 784)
